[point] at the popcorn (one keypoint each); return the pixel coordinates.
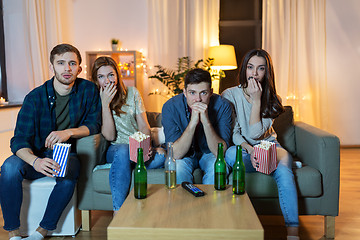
(139, 136)
(139, 140)
(265, 144)
(264, 158)
(60, 155)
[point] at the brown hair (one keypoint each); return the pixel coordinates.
(64, 48)
(271, 106)
(196, 76)
(120, 97)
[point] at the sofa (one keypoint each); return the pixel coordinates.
(317, 180)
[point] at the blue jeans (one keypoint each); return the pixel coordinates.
(120, 172)
(284, 178)
(186, 166)
(14, 171)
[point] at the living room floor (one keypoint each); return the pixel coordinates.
(347, 224)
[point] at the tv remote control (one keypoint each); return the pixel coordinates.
(197, 192)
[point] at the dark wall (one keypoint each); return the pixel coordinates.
(240, 26)
(3, 88)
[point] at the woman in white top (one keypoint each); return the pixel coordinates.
(256, 105)
(123, 113)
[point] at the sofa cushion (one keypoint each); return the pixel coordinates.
(154, 119)
(283, 126)
(285, 130)
(308, 182)
(100, 178)
(157, 136)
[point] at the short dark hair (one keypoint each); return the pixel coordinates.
(196, 76)
(64, 48)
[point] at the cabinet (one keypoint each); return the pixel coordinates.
(129, 62)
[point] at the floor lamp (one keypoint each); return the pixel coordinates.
(224, 59)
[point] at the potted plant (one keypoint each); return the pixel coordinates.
(174, 79)
(115, 44)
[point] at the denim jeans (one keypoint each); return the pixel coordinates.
(186, 166)
(284, 178)
(120, 172)
(14, 171)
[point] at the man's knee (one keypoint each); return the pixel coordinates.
(230, 155)
(73, 168)
(12, 167)
(183, 165)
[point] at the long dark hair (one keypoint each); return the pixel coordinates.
(120, 97)
(271, 106)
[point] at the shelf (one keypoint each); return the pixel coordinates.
(129, 63)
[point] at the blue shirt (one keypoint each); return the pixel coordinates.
(176, 116)
(37, 117)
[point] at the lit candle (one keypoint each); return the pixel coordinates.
(2, 100)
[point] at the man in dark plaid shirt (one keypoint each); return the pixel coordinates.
(61, 110)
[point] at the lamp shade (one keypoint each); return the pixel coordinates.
(224, 57)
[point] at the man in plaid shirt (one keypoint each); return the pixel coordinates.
(61, 110)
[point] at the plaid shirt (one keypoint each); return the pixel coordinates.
(37, 119)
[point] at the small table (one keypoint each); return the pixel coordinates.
(176, 214)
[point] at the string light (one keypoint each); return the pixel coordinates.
(294, 97)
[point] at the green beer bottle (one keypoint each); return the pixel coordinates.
(220, 169)
(239, 173)
(140, 177)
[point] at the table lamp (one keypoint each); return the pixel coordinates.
(224, 59)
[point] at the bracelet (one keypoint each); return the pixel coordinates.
(34, 162)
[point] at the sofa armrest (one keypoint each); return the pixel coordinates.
(321, 150)
(91, 151)
(317, 148)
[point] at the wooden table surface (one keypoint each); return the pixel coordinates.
(176, 214)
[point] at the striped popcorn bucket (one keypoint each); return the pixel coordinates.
(265, 161)
(60, 155)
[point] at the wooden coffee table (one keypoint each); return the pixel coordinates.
(176, 214)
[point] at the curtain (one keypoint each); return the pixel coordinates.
(179, 28)
(294, 33)
(32, 28)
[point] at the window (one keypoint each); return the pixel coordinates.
(240, 26)
(3, 88)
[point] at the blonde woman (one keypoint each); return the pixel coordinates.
(123, 113)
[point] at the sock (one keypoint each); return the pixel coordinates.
(35, 236)
(15, 238)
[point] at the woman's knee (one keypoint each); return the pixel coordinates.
(284, 157)
(284, 175)
(118, 153)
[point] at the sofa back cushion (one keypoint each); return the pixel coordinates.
(283, 125)
(154, 119)
(285, 130)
